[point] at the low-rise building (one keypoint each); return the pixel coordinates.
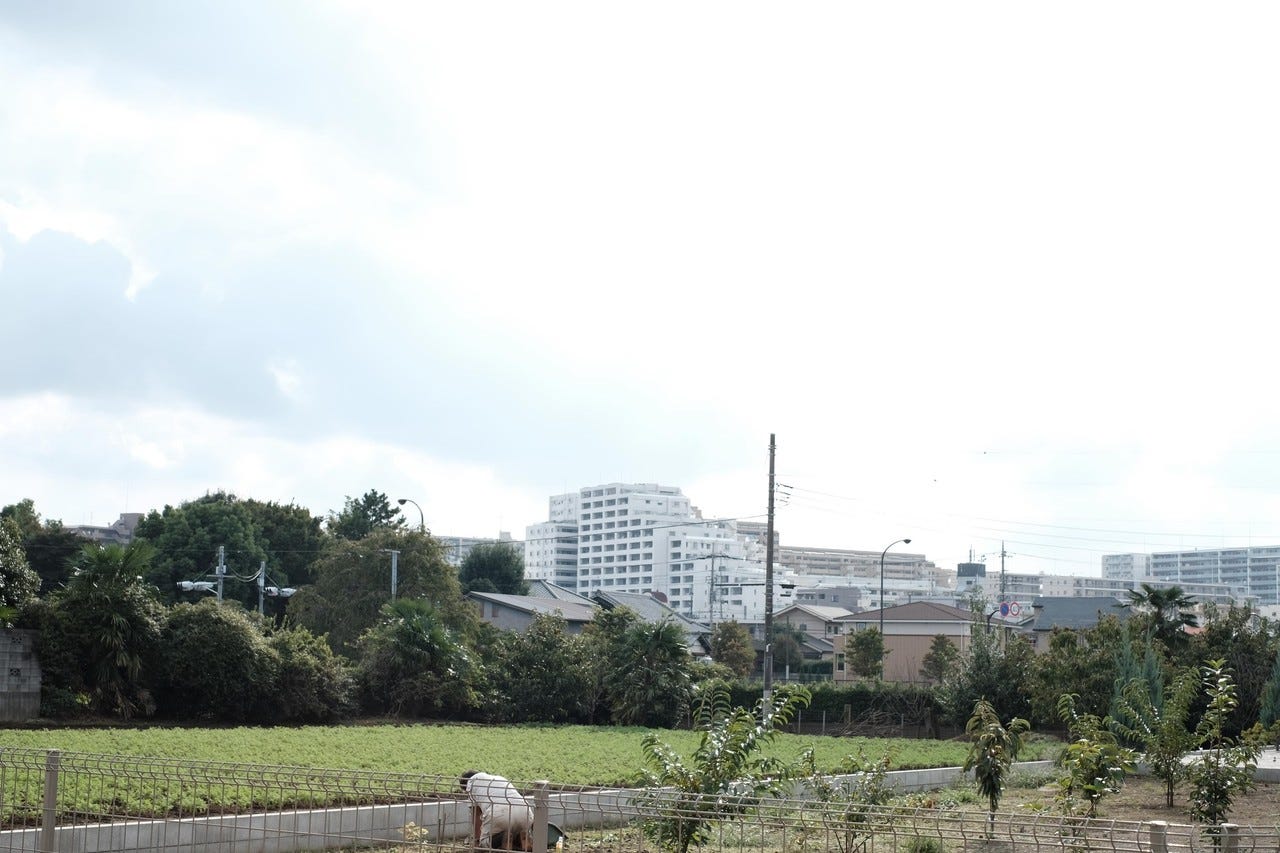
(909, 630)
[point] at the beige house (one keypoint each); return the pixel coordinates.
(909, 630)
(812, 619)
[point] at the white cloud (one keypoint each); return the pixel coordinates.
(970, 263)
(185, 453)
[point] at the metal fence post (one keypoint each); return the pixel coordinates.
(541, 809)
(49, 822)
(1230, 838)
(1159, 834)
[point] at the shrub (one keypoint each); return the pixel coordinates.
(1226, 765)
(412, 664)
(995, 747)
(219, 665)
(1093, 761)
(313, 685)
(727, 773)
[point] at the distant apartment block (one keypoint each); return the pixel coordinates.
(458, 547)
(847, 563)
(1213, 574)
(1023, 588)
(640, 537)
(1126, 566)
(1255, 571)
(118, 533)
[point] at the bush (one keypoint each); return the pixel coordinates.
(219, 665)
(313, 685)
(540, 675)
(411, 664)
(726, 775)
(886, 702)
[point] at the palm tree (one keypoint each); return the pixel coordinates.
(650, 683)
(1168, 609)
(118, 620)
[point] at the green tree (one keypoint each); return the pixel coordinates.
(1094, 761)
(731, 645)
(113, 622)
(998, 673)
(541, 674)
(1169, 611)
(363, 515)
(353, 582)
(50, 548)
(991, 755)
(18, 583)
(603, 641)
(412, 664)
(941, 659)
(496, 567)
(51, 553)
(1246, 644)
(219, 665)
(650, 683)
(23, 514)
(1162, 729)
(727, 773)
(864, 653)
(1269, 709)
(787, 647)
(1080, 662)
(291, 537)
(186, 539)
(1146, 668)
(1225, 765)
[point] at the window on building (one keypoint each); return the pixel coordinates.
(840, 662)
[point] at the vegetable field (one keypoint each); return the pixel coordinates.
(573, 755)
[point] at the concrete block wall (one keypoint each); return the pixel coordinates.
(19, 676)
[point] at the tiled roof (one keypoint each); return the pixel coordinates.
(1061, 611)
(915, 611)
(572, 611)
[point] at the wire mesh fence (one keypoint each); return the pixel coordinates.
(51, 801)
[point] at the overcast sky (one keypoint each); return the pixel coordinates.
(989, 271)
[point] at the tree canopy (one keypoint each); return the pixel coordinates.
(18, 583)
(186, 538)
(1168, 608)
(353, 582)
(496, 567)
(731, 645)
(361, 516)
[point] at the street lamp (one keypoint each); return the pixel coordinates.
(882, 553)
(422, 518)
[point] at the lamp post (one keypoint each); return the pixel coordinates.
(882, 555)
(422, 518)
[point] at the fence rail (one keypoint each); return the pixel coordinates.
(82, 803)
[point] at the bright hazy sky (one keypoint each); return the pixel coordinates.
(990, 271)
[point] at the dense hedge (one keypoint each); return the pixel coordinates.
(908, 704)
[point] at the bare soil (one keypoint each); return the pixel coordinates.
(1142, 798)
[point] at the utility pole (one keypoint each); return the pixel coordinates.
(1002, 586)
(222, 569)
(395, 564)
(768, 587)
(711, 595)
(262, 585)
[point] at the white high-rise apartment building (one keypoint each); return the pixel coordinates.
(1250, 572)
(1126, 567)
(551, 548)
(635, 537)
(1256, 570)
